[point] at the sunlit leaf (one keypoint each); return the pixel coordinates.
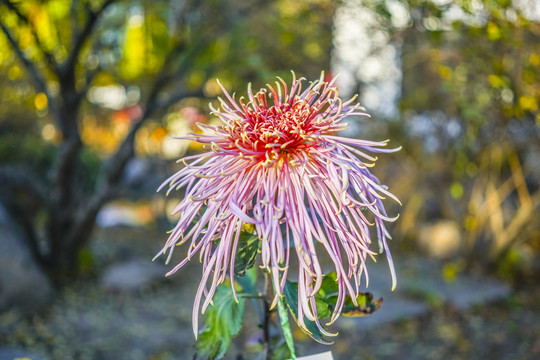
(223, 321)
(328, 295)
(366, 305)
(291, 296)
(246, 253)
(286, 327)
(329, 286)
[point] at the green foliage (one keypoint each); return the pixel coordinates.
(366, 305)
(223, 321)
(246, 253)
(291, 296)
(326, 299)
(328, 296)
(287, 333)
(86, 260)
(191, 42)
(509, 267)
(470, 93)
(100, 74)
(482, 73)
(282, 352)
(26, 149)
(248, 283)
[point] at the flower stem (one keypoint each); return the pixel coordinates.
(267, 316)
(266, 330)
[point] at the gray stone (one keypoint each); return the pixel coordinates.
(463, 292)
(394, 308)
(23, 286)
(420, 286)
(425, 279)
(133, 275)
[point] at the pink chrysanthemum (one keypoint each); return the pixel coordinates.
(276, 164)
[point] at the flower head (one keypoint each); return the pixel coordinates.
(276, 163)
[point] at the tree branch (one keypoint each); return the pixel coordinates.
(51, 61)
(113, 169)
(60, 178)
(69, 66)
(90, 76)
(173, 98)
(28, 64)
(110, 180)
(115, 166)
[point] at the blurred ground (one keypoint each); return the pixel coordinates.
(90, 320)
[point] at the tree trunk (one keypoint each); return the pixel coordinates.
(67, 236)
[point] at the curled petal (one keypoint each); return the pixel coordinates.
(277, 164)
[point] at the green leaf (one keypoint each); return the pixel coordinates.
(246, 253)
(282, 352)
(248, 282)
(323, 309)
(223, 321)
(291, 296)
(329, 286)
(287, 333)
(366, 305)
(328, 295)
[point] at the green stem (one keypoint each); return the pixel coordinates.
(266, 330)
(287, 333)
(267, 316)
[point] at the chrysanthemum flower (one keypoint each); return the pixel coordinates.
(277, 164)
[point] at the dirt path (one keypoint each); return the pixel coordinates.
(89, 322)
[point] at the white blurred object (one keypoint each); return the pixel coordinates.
(363, 54)
(441, 239)
(322, 356)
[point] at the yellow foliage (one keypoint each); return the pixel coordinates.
(451, 270)
(195, 79)
(470, 223)
(534, 59)
(313, 50)
(44, 28)
(496, 81)
(445, 72)
(456, 190)
(40, 101)
(134, 48)
(529, 77)
(104, 79)
(528, 103)
(493, 31)
(14, 72)
(58, 9)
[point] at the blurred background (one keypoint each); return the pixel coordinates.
(93, 92)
